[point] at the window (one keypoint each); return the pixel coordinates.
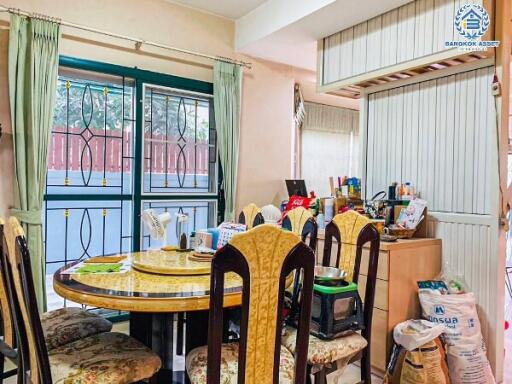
(329, 146)
(110, 158)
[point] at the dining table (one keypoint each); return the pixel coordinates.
(153, 286)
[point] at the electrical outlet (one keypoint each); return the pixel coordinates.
(496, 86)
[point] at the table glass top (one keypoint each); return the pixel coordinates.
(169, 263)
(136, 283)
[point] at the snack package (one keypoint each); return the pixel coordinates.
(297, 201)
(227, 231)
(434, 286)
(418, 355)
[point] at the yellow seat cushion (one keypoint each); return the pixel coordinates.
(323, 352)
(66, 325)
(103, 358)
(196, 363)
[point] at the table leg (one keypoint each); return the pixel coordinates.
(155, 330)
(196, 330)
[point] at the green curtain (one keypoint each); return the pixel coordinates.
(227, 85)
(33, 65)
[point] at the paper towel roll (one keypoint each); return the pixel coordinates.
(329, 209)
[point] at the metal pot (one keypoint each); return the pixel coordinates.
(329, 274)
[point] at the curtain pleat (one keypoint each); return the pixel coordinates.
(227, 84)
(33, 66)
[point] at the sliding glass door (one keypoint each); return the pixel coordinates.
(125, 140)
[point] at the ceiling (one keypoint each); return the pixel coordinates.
(232, 9)
(286, 31)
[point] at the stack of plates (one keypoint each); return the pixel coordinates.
(201, 256)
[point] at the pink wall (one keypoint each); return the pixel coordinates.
(267, 104)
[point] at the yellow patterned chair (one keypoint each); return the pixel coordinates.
(263, 257)
(251, 216)
(352, 231)
(102, 358)
(301, 222)
(60, 326)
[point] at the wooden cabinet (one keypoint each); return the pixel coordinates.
(401, 265)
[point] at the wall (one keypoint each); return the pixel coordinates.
(267, 106)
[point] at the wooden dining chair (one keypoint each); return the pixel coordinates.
(60, 326)
(351, 231)
(107, 357)
(7, 340)
(301, 222)
(263, 257)
(251, 216)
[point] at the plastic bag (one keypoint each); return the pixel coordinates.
(455, 282)
(412, 334)
(418, 356)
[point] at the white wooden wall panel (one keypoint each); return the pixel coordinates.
(440, 134)
(435, 134)
(412, 31)
(373, 45)
(359, 46)
(468, 250)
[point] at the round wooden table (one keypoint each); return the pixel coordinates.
(175, 284)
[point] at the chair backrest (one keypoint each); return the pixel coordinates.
(251, 216)
(263, 257)
(32, 343)
(345, 228)
(301, 222)
(352, 231)
(5, 306)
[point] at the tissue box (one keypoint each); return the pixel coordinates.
(203, 239)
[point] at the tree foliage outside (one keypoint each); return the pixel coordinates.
(86, 104)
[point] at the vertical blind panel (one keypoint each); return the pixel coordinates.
(329, 145)
(438, 135)
(325, 154)
(412, 31)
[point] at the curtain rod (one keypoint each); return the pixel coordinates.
(138, 42)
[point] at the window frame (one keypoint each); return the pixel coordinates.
(215, 193)
(144, 78)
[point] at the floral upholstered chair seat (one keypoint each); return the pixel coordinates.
(66, 325)
(325, 352)
(196, 363)
(103, 358)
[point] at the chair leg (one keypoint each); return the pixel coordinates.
(2, 366)
(308, 374)
(321, 377)
(179, 333)
(366, 368)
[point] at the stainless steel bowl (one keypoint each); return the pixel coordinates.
(329, 274)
